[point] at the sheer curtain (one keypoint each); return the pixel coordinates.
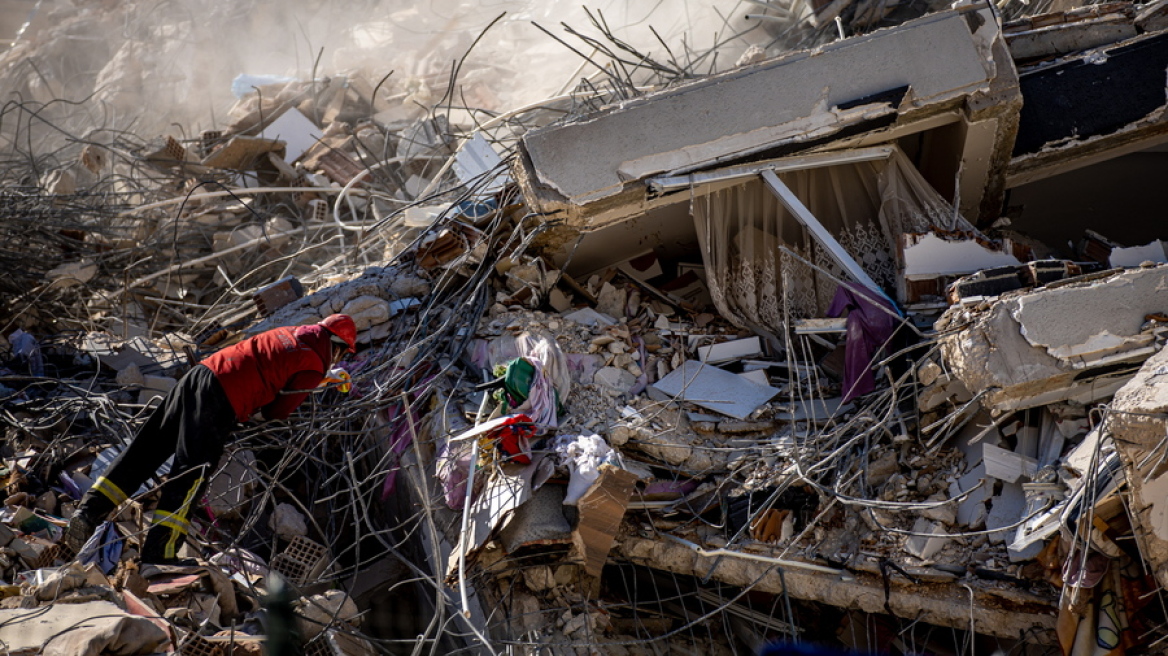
(865, 205)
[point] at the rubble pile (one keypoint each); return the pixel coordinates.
(662, 375)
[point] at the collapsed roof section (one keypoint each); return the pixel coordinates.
(954, 110)
(1096, 104)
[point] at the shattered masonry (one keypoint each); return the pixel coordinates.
(835, 331)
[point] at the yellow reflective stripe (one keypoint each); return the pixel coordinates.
(110, 490)
(171, 548)
(170, 520)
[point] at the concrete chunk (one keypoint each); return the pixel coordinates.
(737, 349)
(1007, 465)
(926, 547)
(1058, 343)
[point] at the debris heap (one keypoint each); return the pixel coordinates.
(640, 370)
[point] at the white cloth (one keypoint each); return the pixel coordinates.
(582, 455)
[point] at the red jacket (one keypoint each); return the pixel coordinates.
(255, 371)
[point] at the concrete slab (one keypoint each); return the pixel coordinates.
(1141, 408)
(1136, 255)
(856, 84)
(1060, 342)
(1008, 508)
(712, 388)
(926, 547)
(971, 511)
(736, 349)
(56, 628)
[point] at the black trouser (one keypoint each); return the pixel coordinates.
(193, 423)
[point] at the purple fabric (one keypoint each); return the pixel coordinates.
(401, 436)
(871, 321)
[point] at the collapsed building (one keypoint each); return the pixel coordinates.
(812, 349)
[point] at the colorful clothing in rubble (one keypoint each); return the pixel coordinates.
(272, 372)
(871, 321)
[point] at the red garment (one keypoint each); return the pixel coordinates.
(255, 371)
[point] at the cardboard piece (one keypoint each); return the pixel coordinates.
(601, 510)
(242, 152)
(508, 488)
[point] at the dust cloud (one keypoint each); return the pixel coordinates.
(152, 68)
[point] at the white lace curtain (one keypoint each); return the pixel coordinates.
(865, 205)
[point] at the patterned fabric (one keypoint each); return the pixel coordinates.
(866, 206)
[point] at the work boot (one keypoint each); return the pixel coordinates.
(77, 533)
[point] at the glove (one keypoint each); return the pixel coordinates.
(340, 378)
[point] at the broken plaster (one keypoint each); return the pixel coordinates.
(1117, 308)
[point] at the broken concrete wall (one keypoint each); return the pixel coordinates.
(996, 610)
(1080, 341)
(592, 169)
(1090, 108)
(1138, 423)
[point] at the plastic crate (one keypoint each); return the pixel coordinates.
(302, 562)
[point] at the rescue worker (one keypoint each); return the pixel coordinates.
(271, 373)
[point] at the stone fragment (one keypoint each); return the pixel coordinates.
(945, 513)
(930, 543)
(611, 301)
(881, 467)
(928, 373)
(367, 311)
(539, 578)
(317, 612)
(287, 521)
(614, 380)
(131, 376)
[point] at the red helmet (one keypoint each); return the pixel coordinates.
(343, 327)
